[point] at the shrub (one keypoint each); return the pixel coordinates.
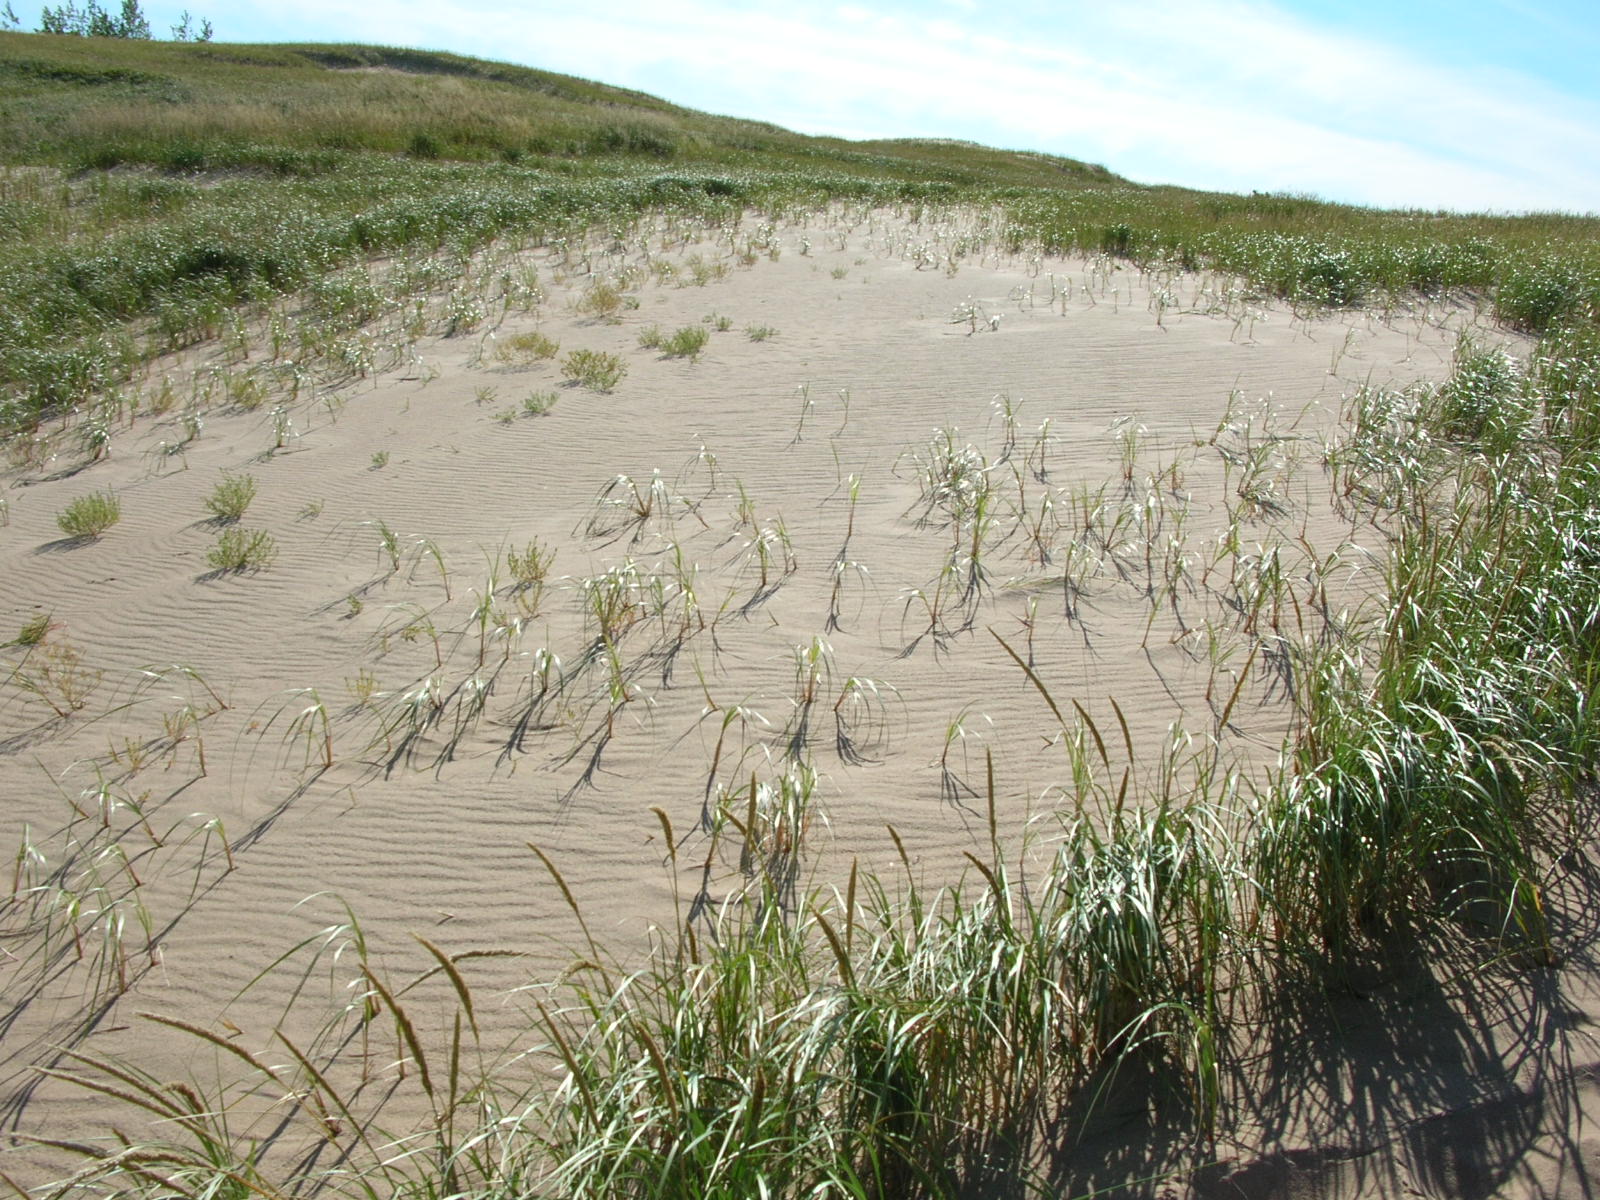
(231, 497)
(527, 348)
(687, 342)
(243, 550)
(90, 516)
(594, 369)
(603, 300)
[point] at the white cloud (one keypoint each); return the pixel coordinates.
(1232, 94)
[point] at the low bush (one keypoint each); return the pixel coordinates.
(90, 516)
(594, 369)
(240, 550)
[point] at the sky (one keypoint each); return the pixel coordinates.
(1470, 105)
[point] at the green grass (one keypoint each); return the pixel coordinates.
(33, 631)
(526, 348)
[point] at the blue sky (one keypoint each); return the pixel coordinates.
(1469, 105)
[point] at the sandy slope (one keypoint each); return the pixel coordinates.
(756, 442)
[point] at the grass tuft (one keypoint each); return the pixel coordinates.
(687, 342)
(230, 498)
(238, 550)
(596, 370)
(88, 517)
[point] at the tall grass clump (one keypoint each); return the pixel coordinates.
(896, 1042)
(882, 1041)
(1433, 751)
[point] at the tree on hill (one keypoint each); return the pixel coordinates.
(185, 31)
(94, 21)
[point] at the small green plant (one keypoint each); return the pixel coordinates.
(686, 342)
(530, 565)
(602, 300)
(718, 322)
(97, 439)
(90, 516)
(760, 333)
(506, 416)
(388, 543)
(529, 568)
(527, 348)
(839, 272)
(702, 272)
(463, 312)
(594, 369)
(246, 391)
(283, 430)
(537, 404)
(33, 631)
(380, 460)
(230, 498)
(485, 395)
(55, 674)
(242, 550)
(362, 687)
(650, 337)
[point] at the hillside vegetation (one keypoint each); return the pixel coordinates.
(154, 186)
(309, 215)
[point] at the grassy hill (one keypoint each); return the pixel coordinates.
(101, 102)
(153, 186)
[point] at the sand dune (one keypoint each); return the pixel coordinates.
(1112, 416)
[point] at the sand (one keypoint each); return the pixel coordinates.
(1104, 390)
